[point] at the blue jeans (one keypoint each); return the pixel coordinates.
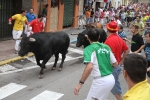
(87, 20)
(117, 88)
(122, 20)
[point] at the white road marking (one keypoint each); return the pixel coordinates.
(10, 89)
(27, 68)
(76, 50)
(7, 67)
(48, 95)
(32, 59)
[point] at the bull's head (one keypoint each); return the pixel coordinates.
(25, 45)
(81, 38)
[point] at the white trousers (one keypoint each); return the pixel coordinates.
(101, 87)
(16, 35)
(137, 53)
(97, 19)
(28, 33)
(102, 21)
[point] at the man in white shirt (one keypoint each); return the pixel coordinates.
(106, 15)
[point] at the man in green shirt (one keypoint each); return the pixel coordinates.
(99, 61)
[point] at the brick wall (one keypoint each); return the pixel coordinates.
(26, 4)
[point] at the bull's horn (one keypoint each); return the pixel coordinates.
(32, 40)
(86, 35)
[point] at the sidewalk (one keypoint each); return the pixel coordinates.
(7, 51)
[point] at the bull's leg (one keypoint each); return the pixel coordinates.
(62, 61)
(56, 59)
(45, 60)
(38, 62)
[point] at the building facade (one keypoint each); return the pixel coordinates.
(140, 1)
(61, 13)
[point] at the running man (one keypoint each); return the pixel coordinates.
(20, 20)
(99, 61)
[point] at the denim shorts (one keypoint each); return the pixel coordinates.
(117, 88)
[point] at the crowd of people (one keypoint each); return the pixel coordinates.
(104, 60)
(123, 14)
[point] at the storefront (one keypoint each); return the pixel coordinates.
(60, 13)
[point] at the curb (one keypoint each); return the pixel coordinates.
(19, 57)
(15, 59)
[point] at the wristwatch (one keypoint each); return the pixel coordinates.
(81, 82)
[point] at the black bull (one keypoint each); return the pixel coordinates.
(44, 45)
(82, 39)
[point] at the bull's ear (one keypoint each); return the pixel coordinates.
(32, 40)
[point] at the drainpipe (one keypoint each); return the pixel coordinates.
(47, 25)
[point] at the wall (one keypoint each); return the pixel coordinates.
(26, 4)
(117, 3)
(81, 4)
(53, 18)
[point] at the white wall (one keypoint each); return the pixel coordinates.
(117, 3)
(81, 4)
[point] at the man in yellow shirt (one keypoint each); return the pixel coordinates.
(135, 68)
(20, 20)
(144, 18)
(139, 23)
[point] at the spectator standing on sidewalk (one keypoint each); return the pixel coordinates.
(120, 50)
(37, 24)
(88, 14)
(97, 15)
(92, 16)
(30, 16)
(135, 75)
(81, 21)
(44, 12)
(20, 20)
(98, 59)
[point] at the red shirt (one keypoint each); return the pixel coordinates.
(36, 26)
(117, 45)
(105, 0)
(102, 15)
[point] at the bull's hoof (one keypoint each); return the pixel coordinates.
(59, 69)
(53, 68)
(40, 76)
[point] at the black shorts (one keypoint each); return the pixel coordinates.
(129, 19)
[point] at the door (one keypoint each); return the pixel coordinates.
(7, 9)
(68, 12)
